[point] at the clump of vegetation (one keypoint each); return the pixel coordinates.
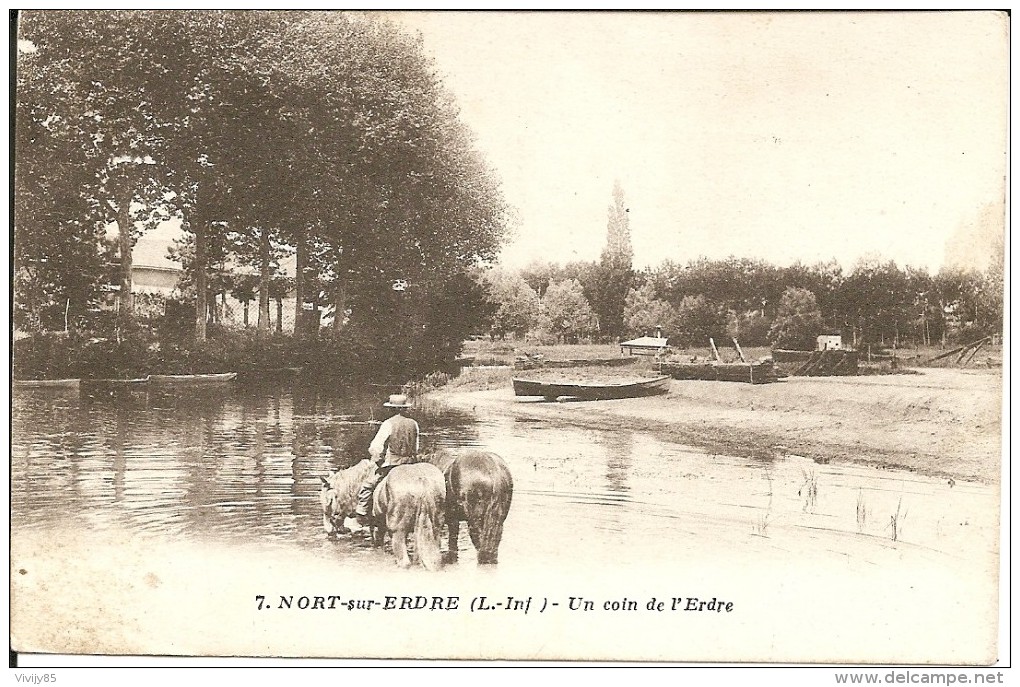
(761, 524)
(896, 521)
(809, 490)
(484, 379)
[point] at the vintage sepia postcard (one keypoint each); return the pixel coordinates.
(667, 337)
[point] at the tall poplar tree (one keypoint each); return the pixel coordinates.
(614, 274)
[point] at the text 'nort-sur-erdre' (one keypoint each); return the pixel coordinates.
(478, 604)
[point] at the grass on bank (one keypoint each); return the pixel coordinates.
(484, 352)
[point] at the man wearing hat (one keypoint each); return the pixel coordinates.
(396, 443)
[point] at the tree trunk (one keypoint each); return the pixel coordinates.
(246, 314)
(201, 303)
(299, 285)
(339, 306)
(279, 316)
(314, 316)
(124, 225)
(264, 282)
(306, 321)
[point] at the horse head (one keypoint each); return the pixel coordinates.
(339, 494)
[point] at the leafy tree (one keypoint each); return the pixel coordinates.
(740, 285)
(878, 300)
(394, 187)
(58, 262)
(279, 288)
(539, 274)
(749, 328)
(225, 127)
(515, 304)
(970, 303)
(798, 321)
(566, 313)
(698, 319)
(825, 280)
(243, 287)
(991, 297)
(643, 313)
(78, 100)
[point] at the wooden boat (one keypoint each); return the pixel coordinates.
(219, 378)
(760, 372)
(590, 391)
(715, 370)
(46, 383)
(534, 362)
(111, 387)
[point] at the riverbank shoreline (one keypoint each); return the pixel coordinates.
(941, 422)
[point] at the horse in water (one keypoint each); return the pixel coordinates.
(412, 498)
(339, 495)
(479, 490)
(409, 499)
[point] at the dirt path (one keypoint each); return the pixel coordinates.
(940, 422)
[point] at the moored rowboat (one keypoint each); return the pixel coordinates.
(93, 387)
(218, 378)
(46, 383)
(590, 391)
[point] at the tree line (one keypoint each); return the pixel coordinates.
(875, 302)
(324, 135)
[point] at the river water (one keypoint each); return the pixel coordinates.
(224, 464)
(225, 467)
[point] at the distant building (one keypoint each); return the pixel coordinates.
(155, 278)
(646, 345)
(829, 343)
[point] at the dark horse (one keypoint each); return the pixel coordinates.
(479, 490)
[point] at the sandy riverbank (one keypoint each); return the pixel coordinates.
(938, 422)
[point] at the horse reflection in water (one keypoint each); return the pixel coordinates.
(475, 487)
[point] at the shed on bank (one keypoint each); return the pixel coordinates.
(646, 345)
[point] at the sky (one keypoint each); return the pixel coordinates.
(781, 136)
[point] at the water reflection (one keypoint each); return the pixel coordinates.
(619, 448)
(233, 464)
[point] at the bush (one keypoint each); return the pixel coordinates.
(128, 357)
(118, 348)
(42, 356)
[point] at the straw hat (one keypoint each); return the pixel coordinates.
(398, 401)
